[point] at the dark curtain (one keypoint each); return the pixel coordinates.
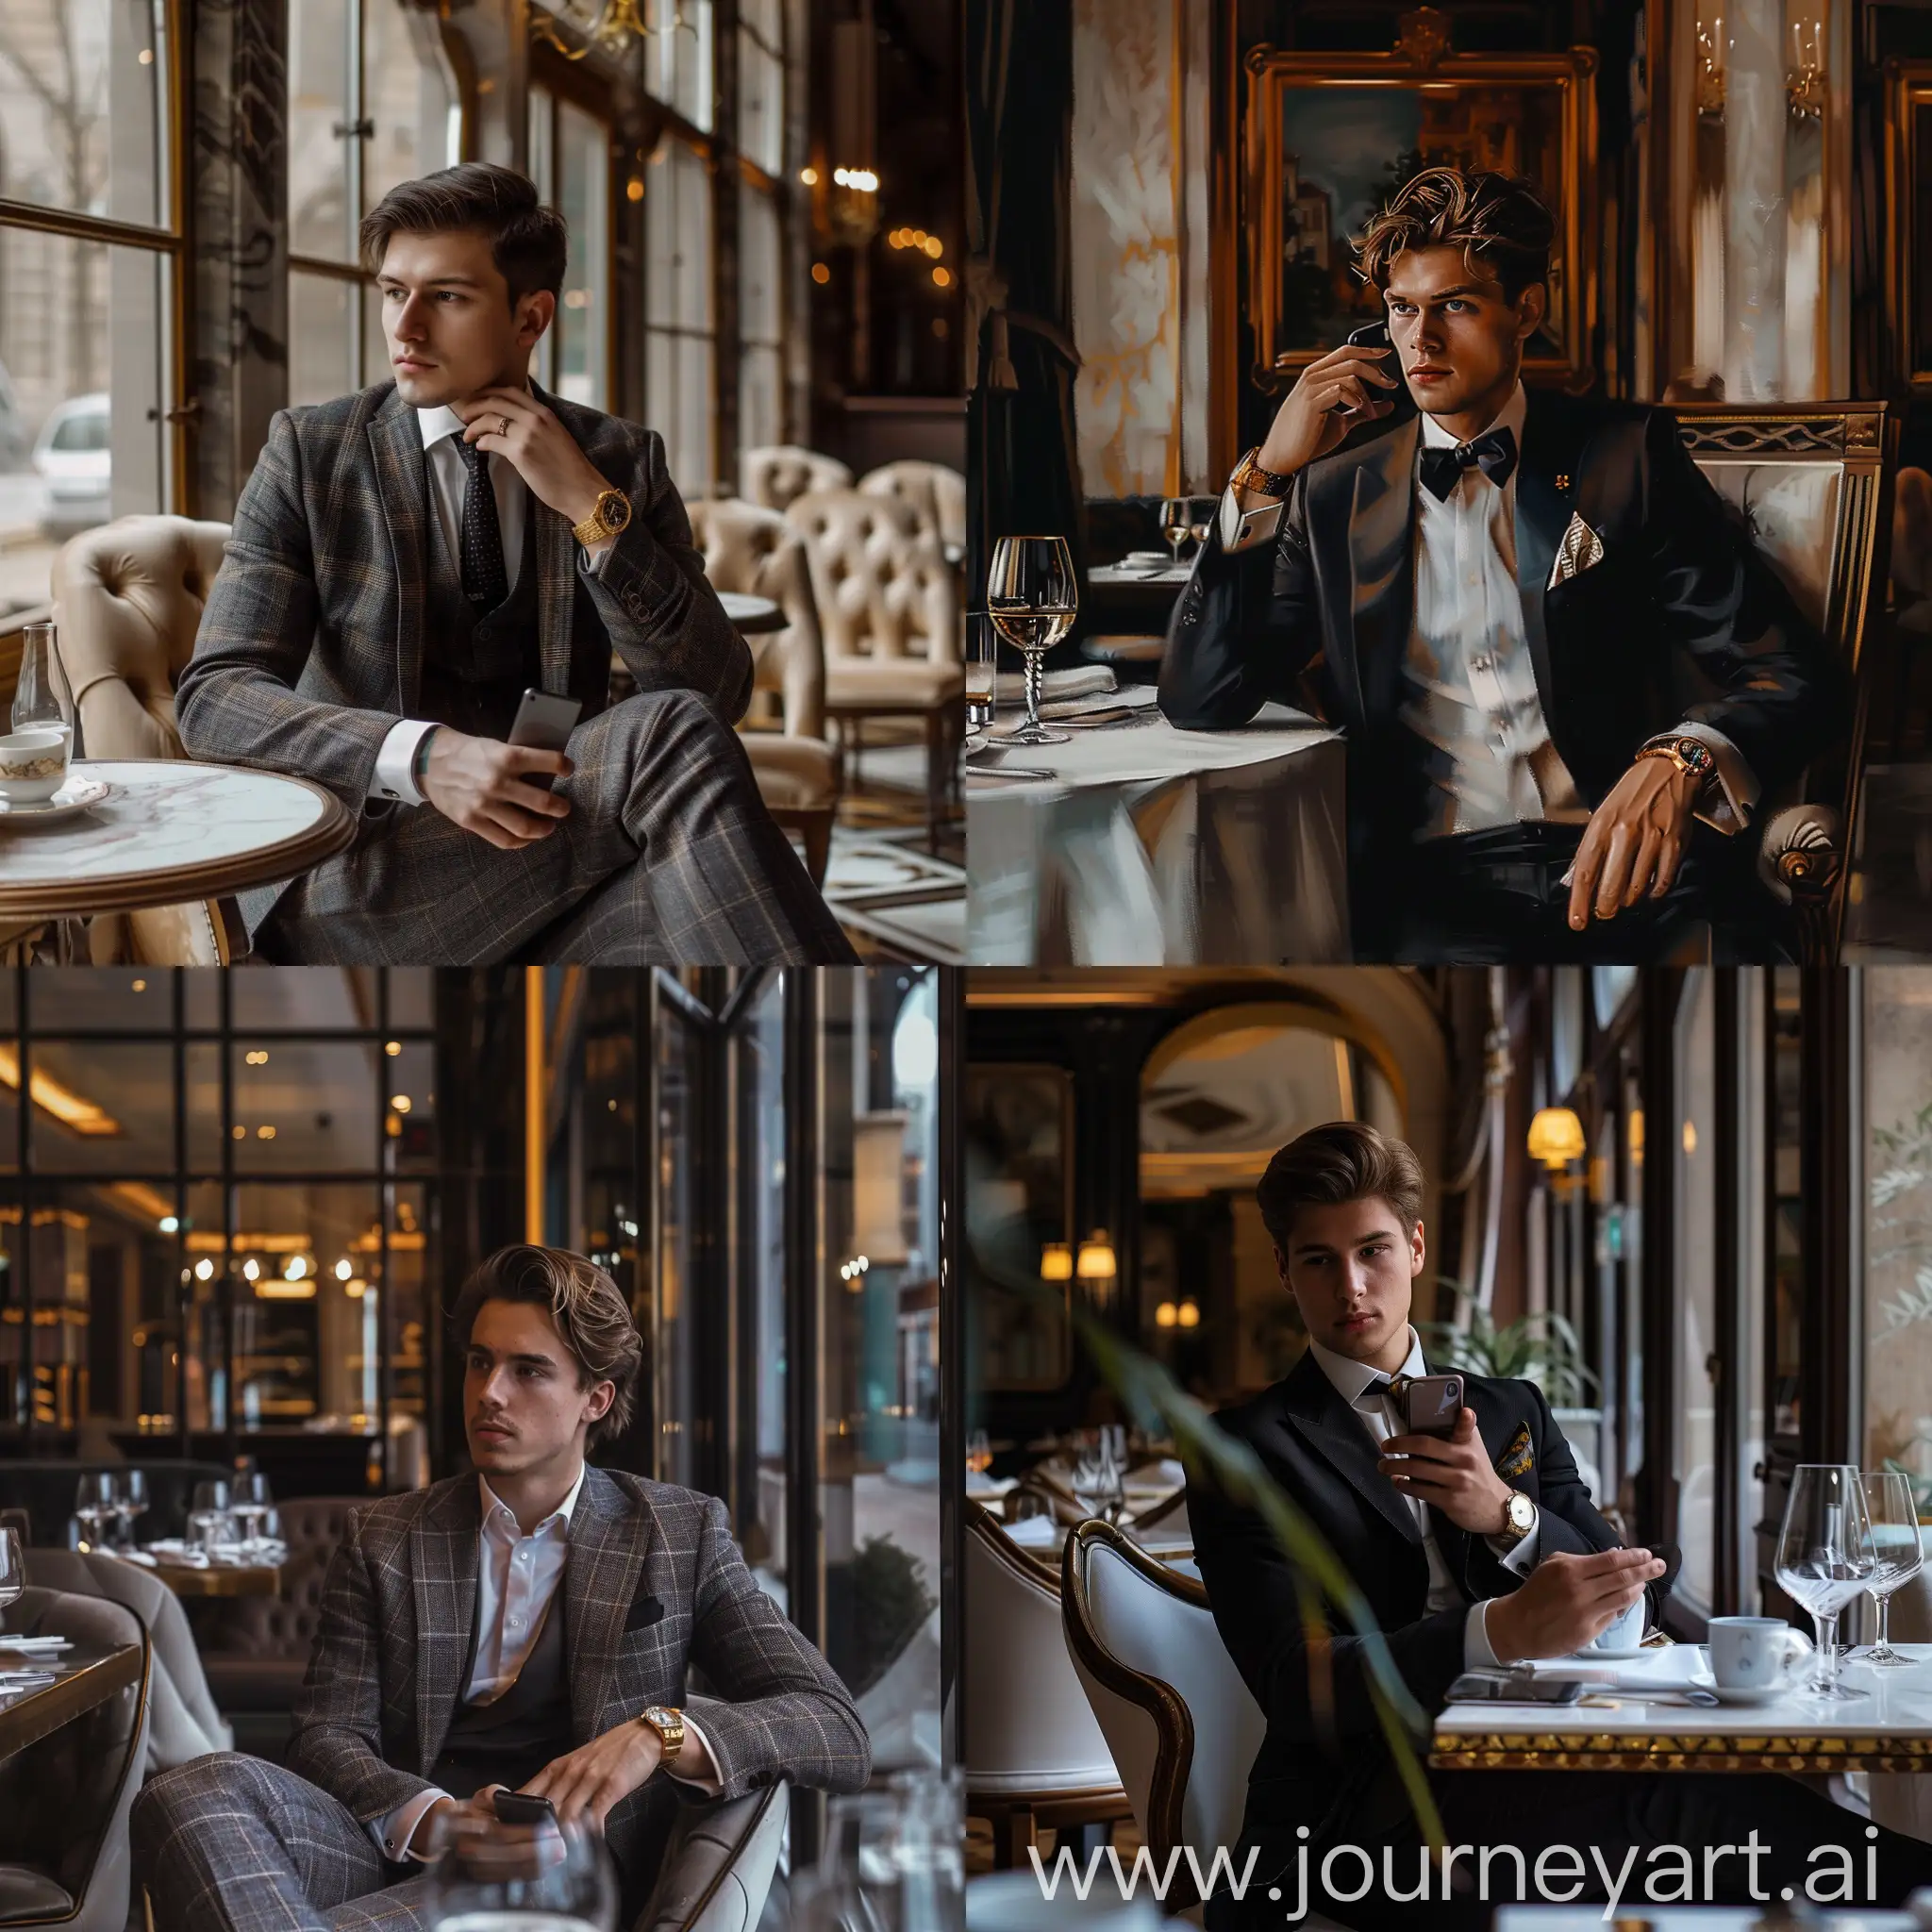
(1020, 451)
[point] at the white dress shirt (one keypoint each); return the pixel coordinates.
(1469, 679)
(441, 428)
(516, 1587)
(1378, 1416)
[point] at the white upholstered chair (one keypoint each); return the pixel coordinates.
(718, 1865)
(778, 474)
(936, 494)
(1181, 1724)
(754, 550)
(888, 608)
(128, 599)
(1035, 1757)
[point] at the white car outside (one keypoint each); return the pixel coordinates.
(75, 461)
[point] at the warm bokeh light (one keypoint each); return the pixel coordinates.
(942, 278)
(1190, 1315)
(820, 273)
(810, 177)
(1165, 1315)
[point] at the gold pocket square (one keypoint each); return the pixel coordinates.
(1518, 1459)
(1580, 550)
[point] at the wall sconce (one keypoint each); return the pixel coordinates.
(1711, 68)
(1185, 1314)
(1805, 81)
(852, 207)
(617, 25)
(1166, 1315)
(1555, 1138)
(1096, 1262)
(1191, 1314)
(1055, 1261)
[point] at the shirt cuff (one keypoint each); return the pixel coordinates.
(1479, 1653)
(1726, 806)
(1248, 517)
(1519, 1557)
(593, 559)
(396, 760)
(394, 1830)
(711, 1786)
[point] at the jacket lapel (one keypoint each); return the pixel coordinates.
(608, 1536)
(1543, 515)
(443, 1566)
(1380, 513)
(1326, 1424)
(557, 579)
(396, 440)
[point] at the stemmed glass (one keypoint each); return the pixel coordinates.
(1900, 1550)
(134, 1500)
(96, 1501)
(1098, 1482)
(488, 1877)
(1177, 523)
(1032, 597)
(251, 1502)
(1825, 1556)
(209, 1521)
(978, 1452)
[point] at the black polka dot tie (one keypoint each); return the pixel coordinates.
(485, 579)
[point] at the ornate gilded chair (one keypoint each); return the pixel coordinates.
(1811, 482)
(776, 475)
(754, 550)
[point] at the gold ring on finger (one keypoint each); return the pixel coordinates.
(503, 425)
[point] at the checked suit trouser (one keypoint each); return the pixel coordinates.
(669, 857)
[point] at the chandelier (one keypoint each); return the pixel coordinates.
(617, 25)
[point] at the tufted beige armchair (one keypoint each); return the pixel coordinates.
(776, 475)
(936, 492)
(128, 599)
(889, 606)
(753, 550)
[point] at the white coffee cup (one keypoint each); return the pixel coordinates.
(1753, 1653)
(1626, 1632)
(33, 764)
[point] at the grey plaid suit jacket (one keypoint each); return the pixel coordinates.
(310, 647)
(654, 1584)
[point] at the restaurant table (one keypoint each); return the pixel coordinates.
(1887, 1730)
(86, 1675)
(750, 615)
(220, 1579)
(1139, 844)
(171, 831)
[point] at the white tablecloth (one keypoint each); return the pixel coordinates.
(1142, 845)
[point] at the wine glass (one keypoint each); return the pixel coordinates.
(252, 1501)
(1901, 1552)
(1177, 523)
(1825, 1556)
(134, 1501)
(1032, 598)
(978, 1452)
(97, 1500)
(1098, 1484)
(12, 1568)
(488, 1877)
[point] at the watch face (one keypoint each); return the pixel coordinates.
(1696, 754)
(613, 508)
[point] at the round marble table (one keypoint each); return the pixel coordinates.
(172, 831)
(751, 615)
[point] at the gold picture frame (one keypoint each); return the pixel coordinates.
(1533, 114)
(1908, 216)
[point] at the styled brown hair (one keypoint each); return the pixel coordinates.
(589, 1310)
(528, 242)
(1344, 1161)
(1496, 219)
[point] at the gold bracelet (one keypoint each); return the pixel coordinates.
(1249, 475)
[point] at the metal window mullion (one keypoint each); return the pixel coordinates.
(24, 1289)
(181, 1163)
(385, 1162)
(227, 1278)
(353, 188)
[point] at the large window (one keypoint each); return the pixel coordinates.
(1697, 1154)
(680, 339)
(570, 162)
(91, 302)
(227, 1180)
(371, 102)
(760, 224)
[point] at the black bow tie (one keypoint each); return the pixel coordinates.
(1493, 452)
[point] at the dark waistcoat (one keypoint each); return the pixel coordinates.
(478, 665)
(510, 1740)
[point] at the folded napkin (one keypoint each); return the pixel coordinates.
(11, 1681)
(1080, 682)
(1033, 1532)
(979, 1484)
(1666, 1667)
(37, 1645)
(139, 1556)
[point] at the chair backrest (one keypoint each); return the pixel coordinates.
(884, 589)
(936, 492)
(1029, 1728)
(282, 1628)
(776, 475)
(751, 549)
(717, 1867)
(1182, 1725)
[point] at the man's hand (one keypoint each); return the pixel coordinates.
(512, 422)
(1451, 1474)
(586, 1783)
(1634, 841)
(480, 784)
(1568, 1602)
(1303, 428)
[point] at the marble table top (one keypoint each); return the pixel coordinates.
(1887, 1726)
(172, 830)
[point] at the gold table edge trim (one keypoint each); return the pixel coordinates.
(1693, 1751)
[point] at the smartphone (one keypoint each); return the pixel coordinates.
(1373, 335)
(1430, 1404)
(521, 1807)
(543, 722)
(1513, 1687)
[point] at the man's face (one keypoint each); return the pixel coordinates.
(448, 320)
(522, 1404)
(1351, 1269)
(1458, 338)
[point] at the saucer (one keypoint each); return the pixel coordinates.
(1763, 1693)
(1600, 1653)
(76, 796)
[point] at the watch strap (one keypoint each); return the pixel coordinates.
(1249, 475)
(669, 1725)
(598, 525)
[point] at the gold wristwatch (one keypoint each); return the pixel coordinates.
(609, 515)
(1690, 756)
(1249, 475)
(1519, 1519)
(669, 1725)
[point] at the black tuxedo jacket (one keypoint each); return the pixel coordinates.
(1338, 1779)
(1681, 619)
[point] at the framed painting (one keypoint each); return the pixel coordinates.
(1332, 136)
(1909, 212)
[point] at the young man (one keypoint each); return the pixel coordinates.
(1509, 598)
(1481, 1548)
(408, 561)
(530, 1626)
